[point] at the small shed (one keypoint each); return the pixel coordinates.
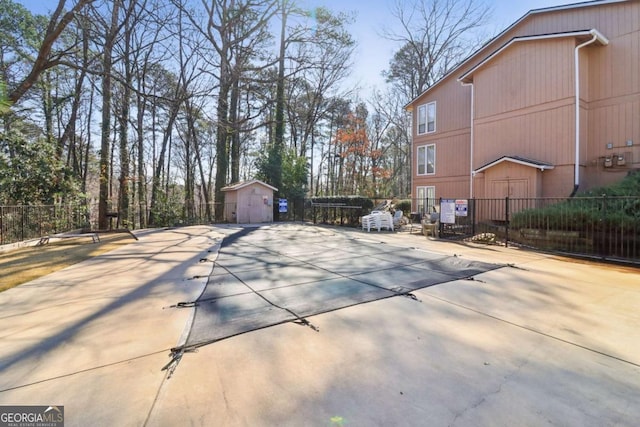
(248, 202)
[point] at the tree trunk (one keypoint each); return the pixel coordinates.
(156, 185)
(124, 178)
(106, 119)
(141, 187)
(278, 143)
(235, 135)
(42, 61)
(222, 156)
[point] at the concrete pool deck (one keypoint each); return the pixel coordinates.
(548, 340)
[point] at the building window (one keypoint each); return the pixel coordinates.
(426, 159)
(426, 199)
(427, 118)
(431, 117)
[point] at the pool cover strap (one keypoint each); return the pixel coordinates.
(268, 276)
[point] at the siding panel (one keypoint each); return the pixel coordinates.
(528, 73)
(525, 101)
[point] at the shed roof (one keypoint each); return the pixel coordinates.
(239, 185)
(516, 159)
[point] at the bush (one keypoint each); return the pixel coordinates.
(404, 206)
(612, 208)
(337, 215)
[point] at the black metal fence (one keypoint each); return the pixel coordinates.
(334, 213)
(19, 223)
(607, 228)
(603, 227)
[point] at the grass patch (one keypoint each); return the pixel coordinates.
(28, 263)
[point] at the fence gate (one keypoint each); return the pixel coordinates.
(457, 218)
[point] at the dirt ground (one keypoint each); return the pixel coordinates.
(23, 264)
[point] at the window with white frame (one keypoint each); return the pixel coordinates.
(431, 117)
(427, 118)
(426, 199)
(426, 159)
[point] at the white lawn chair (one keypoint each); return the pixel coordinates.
(398, 219)
(367, 222)
(384, 220)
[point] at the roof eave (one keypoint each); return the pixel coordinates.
(468, 76)
(506, 30)
(247, 183)
(540, 166)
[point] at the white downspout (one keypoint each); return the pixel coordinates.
(414, 193)
(576, 171)
(471, 142)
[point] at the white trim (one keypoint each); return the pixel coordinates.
(466, 77)
(505, 31)
(425, 106)
(425, 199)
(471, 139)
(240, 185)
(541, 166)
(421, 107)
(603, 40)
(426, 157)
(435, 115)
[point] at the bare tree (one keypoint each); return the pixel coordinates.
(231, 27)
(322, 54)
(112, 29)
(392, 130)
(45, 60)
(149, 38)
(434, 36)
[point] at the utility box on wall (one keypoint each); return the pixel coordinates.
(249, 202)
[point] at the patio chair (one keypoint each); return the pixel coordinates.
(415, 220)
(384, 220)
(367, 222)
(398, 219)
(431, 224)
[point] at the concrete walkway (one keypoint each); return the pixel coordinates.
(547, 341)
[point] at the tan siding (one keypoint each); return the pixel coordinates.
(450, 188)
(545, 135)
(451, 138)
(614, 70)
(611, 20)
(613, 123)
(528, 73)
(557, 182)
(452, 156)
(525, 102)
(453, 109)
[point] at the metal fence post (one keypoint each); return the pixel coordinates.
(472, 206)
(440, 227)
(603, 230)
(506, 215)
(22, 222)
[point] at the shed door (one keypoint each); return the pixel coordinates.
(512, 188)
(255, 208)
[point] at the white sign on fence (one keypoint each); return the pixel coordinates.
(462, 207)
(282, 205)
(448, 211)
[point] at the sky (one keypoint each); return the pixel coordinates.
(373, 52)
